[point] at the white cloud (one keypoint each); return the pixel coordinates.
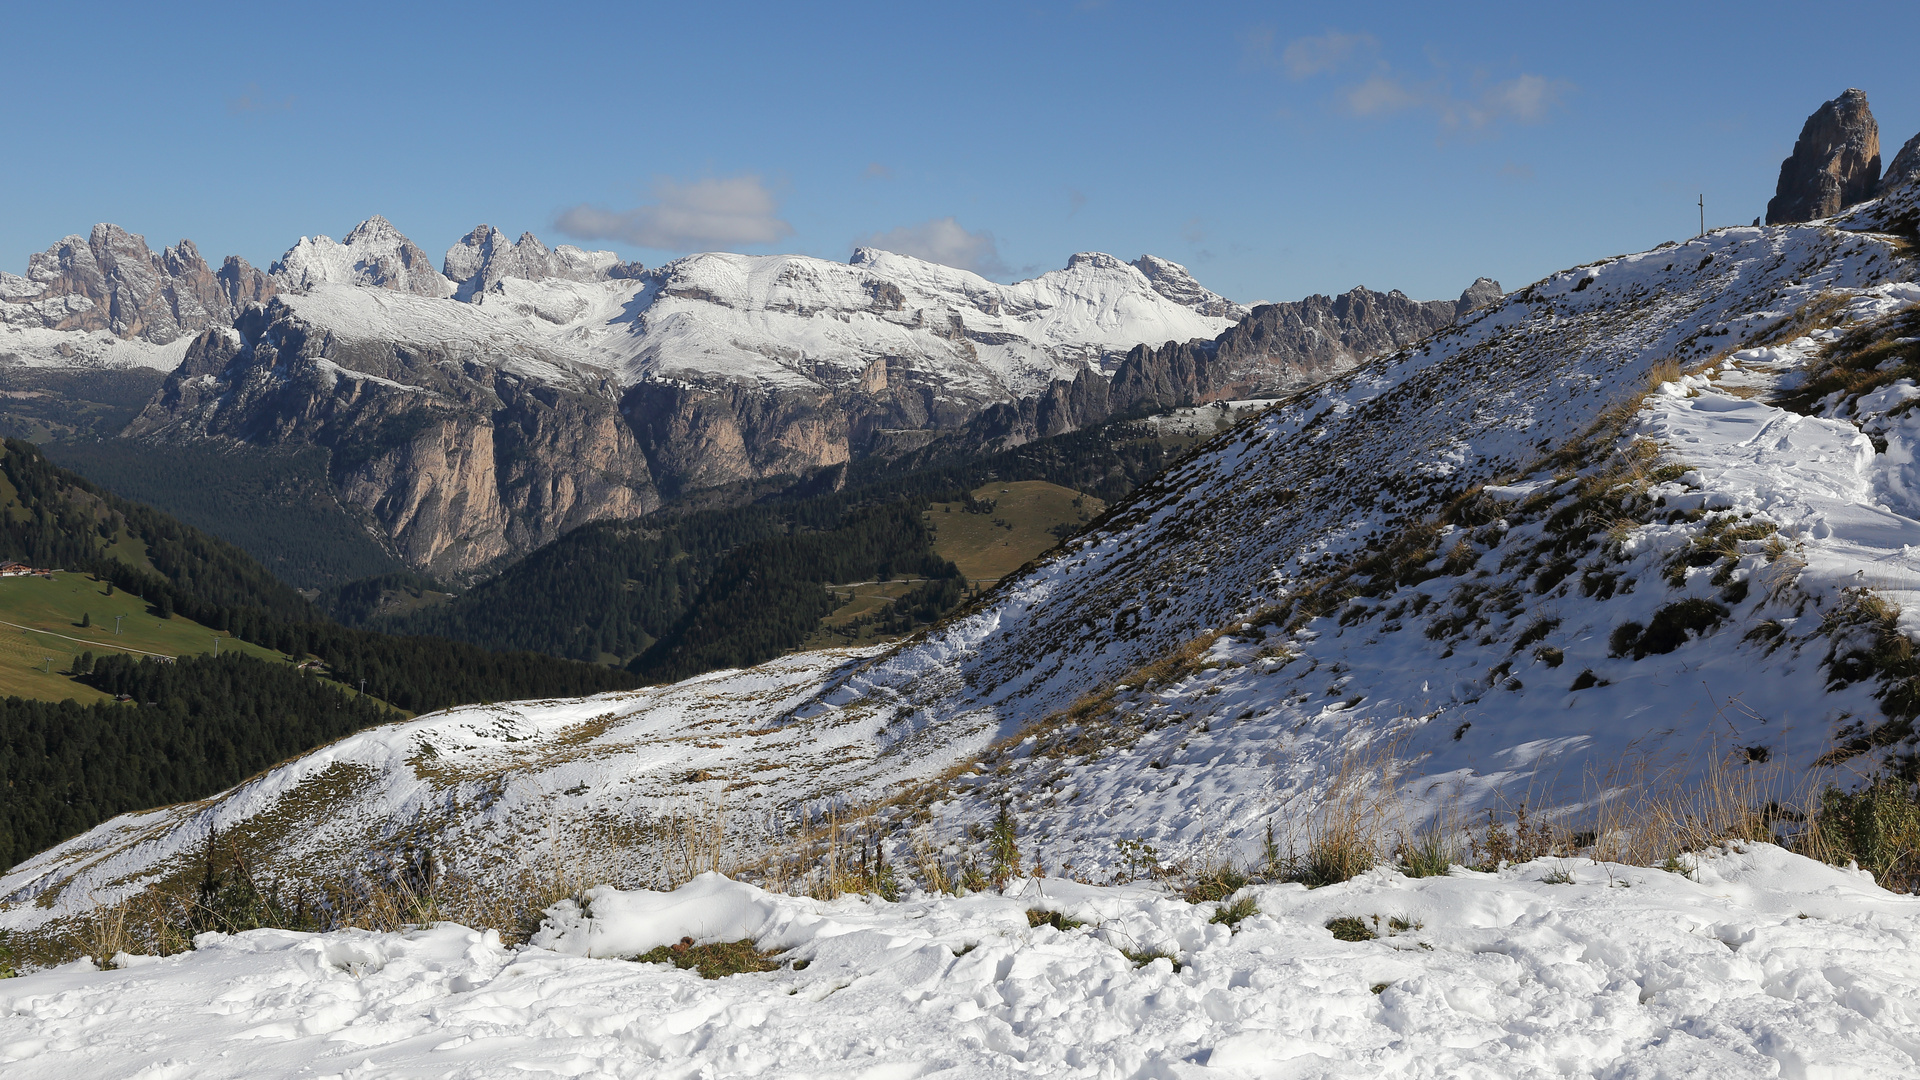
(1308, 56)
(1380, 94)
(945, 241)
(1526, 99)
(705, 214)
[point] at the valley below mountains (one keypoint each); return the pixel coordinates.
(473, 413)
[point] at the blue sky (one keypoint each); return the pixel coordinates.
(1276, 149)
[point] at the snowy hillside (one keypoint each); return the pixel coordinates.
(374, 254)
(789, 320)
(1728, 531)
(456, 332)
(1753, 963)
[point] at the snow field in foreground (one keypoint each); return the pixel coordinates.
(1756, 963)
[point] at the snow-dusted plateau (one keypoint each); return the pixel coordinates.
(1619, 568)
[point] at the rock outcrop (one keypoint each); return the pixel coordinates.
(1482, 292)
(1904, 167)
(111, 281)
(458, 455)
(1279, 348)
(1172, 281)
(1835, 163)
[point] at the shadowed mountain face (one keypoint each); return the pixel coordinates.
(1275, 350)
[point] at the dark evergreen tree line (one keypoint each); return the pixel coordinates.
(765, 598)
(192, 728)
(59, 519)
(274, 503)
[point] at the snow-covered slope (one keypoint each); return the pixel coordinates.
(1752, 963)
(795, 322)
(484, 258)
(374, 254)
(1459, 651)
(39, 347)
(461, 333)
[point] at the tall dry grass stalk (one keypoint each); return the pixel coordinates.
(1347, 825)
(1656, 813)
(690, 841)
(829, 854)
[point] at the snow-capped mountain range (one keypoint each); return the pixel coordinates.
(748, 318)
(547, 387)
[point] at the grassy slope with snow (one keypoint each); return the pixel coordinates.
(1202, 763)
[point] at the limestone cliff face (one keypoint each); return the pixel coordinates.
(701, 435)
(456, 462)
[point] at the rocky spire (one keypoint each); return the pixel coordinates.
(1482, 292)
(1904, 167)
(1835, 162)
(1172, 281)
(110, 280)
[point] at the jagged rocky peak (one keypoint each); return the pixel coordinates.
(110, 280)
(374, 253)
(1172, 281)
(1904, 167)
(1835, 162)
(1482, 292)
(485, 256)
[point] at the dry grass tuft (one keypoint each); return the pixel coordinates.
(714, 960)
(1346, 832)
